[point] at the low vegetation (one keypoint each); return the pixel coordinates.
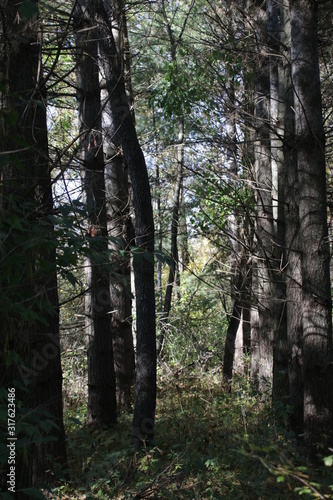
(209, 445)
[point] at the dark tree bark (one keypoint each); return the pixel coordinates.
(30, 312)
(293, 258)
(271, 293)
(316, 291)
(264, 212)
(275, 20)
(101, 379)
(125, 135)
(120, 229)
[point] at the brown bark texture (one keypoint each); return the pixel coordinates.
(316, 291)
(143, 261)
(120, 229)
(102, 408)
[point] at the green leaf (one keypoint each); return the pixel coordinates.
(12, 118)
(137, 253)
(163, 257)
(7, 496)
(75, 421)
(34, 493)
(71, 278)
(148, 256)
(328, 461)
(15, 222)
(28, 9)
(301, 491)
(280, 479)
(46, 425)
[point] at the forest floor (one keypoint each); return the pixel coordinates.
(209, 444)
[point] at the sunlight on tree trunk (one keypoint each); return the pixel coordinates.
(120, 231)
(102, 409)
(125, 135)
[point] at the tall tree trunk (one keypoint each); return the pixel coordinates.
(173, 268)
(251, 309)
(174, 277)
(233, 327)
(101, 378)
(264, 215)
(183, 253)
(254, 321)
(30, 319)
(125, 134)
(238, 256)
(159, 236)
(292, 243)
(316, 292)
(120, 230)
(275, 16)
(271, 288)
(243, 335)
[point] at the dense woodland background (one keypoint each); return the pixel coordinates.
(165, 222)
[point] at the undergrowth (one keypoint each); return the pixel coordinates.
(209, 445)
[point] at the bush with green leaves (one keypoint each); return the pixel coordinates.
(196, 328)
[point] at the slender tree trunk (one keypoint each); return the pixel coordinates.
(271, 288)
(125, 134)
(101, 378)
(173, 268)
(243, 335)
(280, 351)
(316, 291)
(264, 215)
(30, 312)
(238, 257)
(251, 309)
(233, 327)
(120, 231)
(254, 322)
(174, 277)
(292, 244)
(159, 235)
(184, 255)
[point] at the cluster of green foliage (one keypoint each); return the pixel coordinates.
(213, 199)
(197, 323)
